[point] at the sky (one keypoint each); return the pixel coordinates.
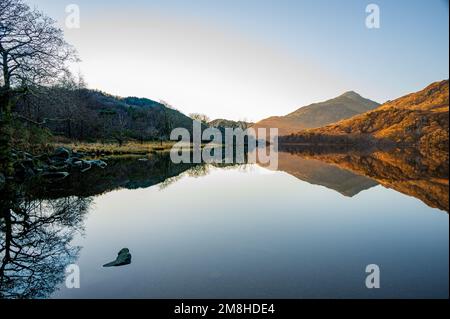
(251, 59)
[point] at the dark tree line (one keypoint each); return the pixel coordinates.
(71, 110)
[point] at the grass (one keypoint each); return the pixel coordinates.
(115, 148)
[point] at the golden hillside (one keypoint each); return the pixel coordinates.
(419, 119)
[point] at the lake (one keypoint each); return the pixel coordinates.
(307, 229)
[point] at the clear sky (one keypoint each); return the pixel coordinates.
(250, 59)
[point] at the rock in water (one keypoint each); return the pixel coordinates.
(123, 258)
(98, 163)
(62, 152)
(55, 175)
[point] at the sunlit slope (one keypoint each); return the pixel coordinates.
(319, 114)
(419, 119)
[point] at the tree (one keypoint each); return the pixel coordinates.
(32, 48)
(200, 117)
(33, 52)
(166, 124)
(119, 131)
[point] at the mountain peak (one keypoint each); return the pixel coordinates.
(351, 94)
(320, 114)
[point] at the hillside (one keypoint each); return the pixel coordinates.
(83, 114)
(319, 114)
(417, 119)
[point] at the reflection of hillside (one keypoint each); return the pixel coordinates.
(121, 172)
(317, 172)
(128, 173)
(404, 170)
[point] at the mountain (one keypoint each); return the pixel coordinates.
(418, 119)
(319, 114)
(222, 123)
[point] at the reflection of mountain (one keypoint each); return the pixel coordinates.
(316, 172)
(404, 170)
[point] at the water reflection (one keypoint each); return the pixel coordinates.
(128, 172)
(346, 171)
(121, 172)
(39, 220)
(35, 242)
(314, 171)
(408, 171)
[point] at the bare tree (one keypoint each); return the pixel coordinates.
(121, 124)
(200, 117)
(32, 48)
(32, 52)
(166, 125)
(168, 105)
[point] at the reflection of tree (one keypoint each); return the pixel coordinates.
(195, 171)
(169, 181)
(232, 166)
(35, 238)
(201, 170)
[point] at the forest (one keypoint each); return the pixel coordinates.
(70, 110)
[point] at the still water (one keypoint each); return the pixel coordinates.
(305, 230)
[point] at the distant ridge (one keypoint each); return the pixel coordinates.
(319, 114)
